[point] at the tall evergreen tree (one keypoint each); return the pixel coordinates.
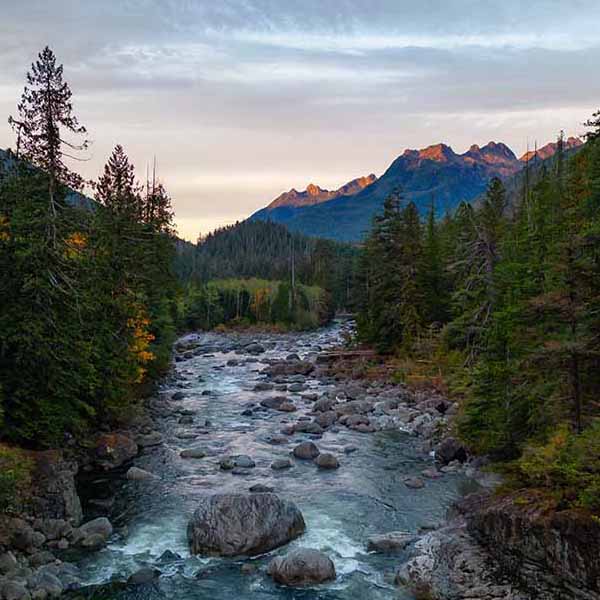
(45, 116)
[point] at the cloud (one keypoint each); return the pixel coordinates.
(243, 99)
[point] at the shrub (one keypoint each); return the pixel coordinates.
(15, 478)
(568, 465)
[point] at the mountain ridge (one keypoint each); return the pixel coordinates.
(435, 173)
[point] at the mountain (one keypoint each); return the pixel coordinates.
(549, 150)
(312, 196)
(74, 198)
(435, 172)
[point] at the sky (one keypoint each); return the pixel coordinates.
(240, 100)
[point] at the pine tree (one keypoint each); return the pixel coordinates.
(594, 124)
(117, 189)
(432, 275)
(45, 115)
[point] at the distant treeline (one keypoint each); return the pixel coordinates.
(290, 264)
(255, 301)
(504, 301)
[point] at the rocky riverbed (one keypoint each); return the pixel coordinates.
(258, 468)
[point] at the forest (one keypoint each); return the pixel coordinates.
(94, 291)
(501, 301)
(88, 309)
(258, 272)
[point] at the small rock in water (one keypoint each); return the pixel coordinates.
(193, 453)
(146, 575)
(240, 471)
(277, 440)
(287, 407)
(280, 464)
(244, 461)
(178, 396)
(309, 427)
(168, 556)
(135, 474)
(414, 483)
(431, 473)
(273, 402)
(302, 567)
(327, 461)
(227, 464)
(260, 488)
(296, 387)
(306, 451)
(263, 386)
(390, 542)
(350, 449)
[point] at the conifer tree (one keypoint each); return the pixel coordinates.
(45, 116)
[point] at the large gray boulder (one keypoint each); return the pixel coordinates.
(93, 534)
(302, 567)
(243, 524)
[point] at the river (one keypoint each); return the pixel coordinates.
(342, 508)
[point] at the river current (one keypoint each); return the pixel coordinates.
(342, 508)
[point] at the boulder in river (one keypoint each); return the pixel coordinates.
(137, 474)
(273, 402)
(306, 451)
(308, 427)
(243, 524)
(263, 386)
(93, 534)
(327, 461)
(291, 367)
(193, 453)
(415, 483)
(143, 576)
(280, 464)
(254, 348)
(326, 419)
(304, 566)
(394, 541)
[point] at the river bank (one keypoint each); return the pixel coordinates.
(229, 419)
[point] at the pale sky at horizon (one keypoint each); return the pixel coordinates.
(241, 100)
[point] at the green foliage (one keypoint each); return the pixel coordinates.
(391, 305)
(15, 478)
(88, 296)
(253, 301)
(517, 290)
(265, 250)
(568, 466)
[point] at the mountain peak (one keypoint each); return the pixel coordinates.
(550, 149)
(313, 190)
(437, 152)
(316, 195)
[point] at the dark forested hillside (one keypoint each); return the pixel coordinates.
(280, 265)
(505, 301)
(269, 251)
